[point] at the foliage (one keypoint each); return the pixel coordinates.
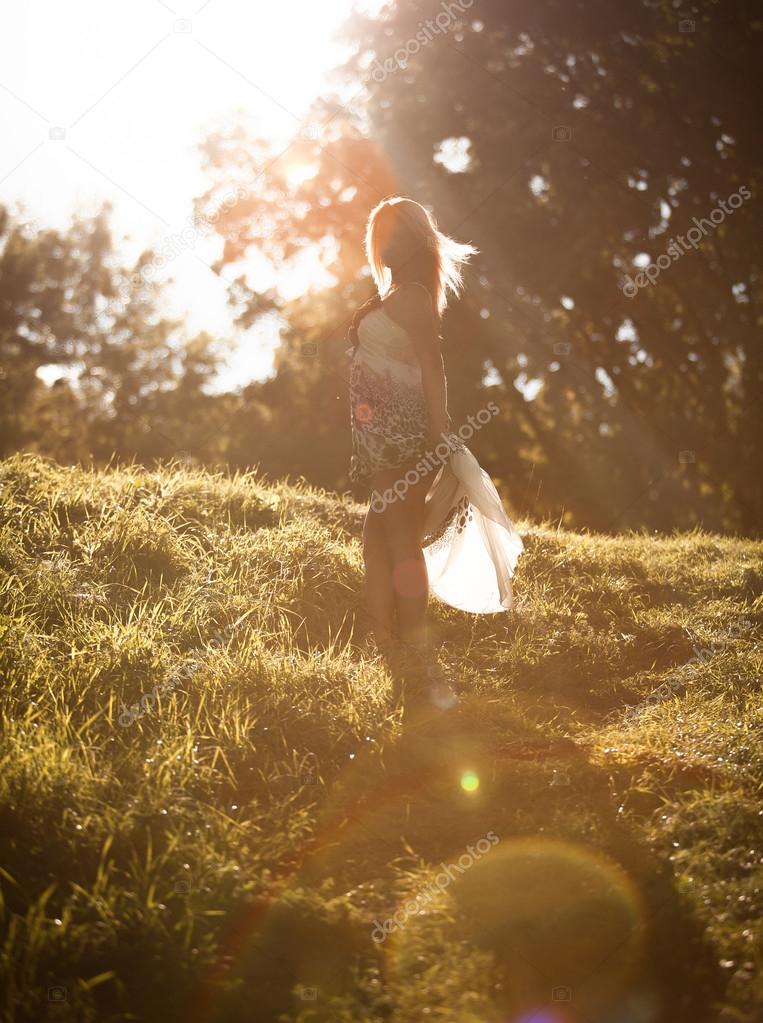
(594, 136)
(127, 375)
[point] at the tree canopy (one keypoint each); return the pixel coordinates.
(606, 162)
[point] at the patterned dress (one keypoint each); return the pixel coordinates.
(388, 411)
(470, 545)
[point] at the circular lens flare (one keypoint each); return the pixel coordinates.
(470, 781)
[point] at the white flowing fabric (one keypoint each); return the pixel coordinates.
(471, 547)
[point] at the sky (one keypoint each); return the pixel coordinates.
(104, 100)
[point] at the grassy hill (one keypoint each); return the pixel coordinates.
(209, 805)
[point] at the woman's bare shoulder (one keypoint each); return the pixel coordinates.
(414, 312)
(410, 302)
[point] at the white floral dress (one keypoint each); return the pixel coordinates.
(470, 545)
(388, 411)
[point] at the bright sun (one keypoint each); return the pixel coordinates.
(99, 101)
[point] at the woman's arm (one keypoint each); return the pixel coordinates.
(435, 392)
(413, 310)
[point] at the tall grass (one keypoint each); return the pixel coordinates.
(208, 795)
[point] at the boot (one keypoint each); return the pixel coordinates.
(425, 681)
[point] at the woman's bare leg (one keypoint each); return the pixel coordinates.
(403, 521)
(380, 595)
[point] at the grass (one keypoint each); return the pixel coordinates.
(208, 798)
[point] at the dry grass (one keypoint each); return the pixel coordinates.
(207, 797)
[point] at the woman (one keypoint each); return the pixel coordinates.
(435, 516)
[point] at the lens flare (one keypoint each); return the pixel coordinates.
(470, 781)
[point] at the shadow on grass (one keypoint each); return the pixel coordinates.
(570, 907)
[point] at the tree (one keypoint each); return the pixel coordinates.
(66, 302)
(591, 136)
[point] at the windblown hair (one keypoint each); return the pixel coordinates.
(435, 260)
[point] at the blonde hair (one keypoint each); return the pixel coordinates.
(435, 259)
